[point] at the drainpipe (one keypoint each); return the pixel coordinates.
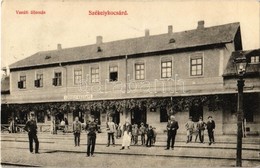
(126, 75)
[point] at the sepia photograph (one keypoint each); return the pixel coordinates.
(130, 84)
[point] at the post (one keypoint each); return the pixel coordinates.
(240, 85)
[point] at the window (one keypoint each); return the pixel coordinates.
(22, 82)
(254, 59)
(39, 80)
(166, 69)
(196, 68)
(77, 76)
(40, 116)
(57, 80)
(113, 73)
(139, 71)
(94, 75)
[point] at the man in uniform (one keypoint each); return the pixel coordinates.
(31, 128)
(172, 128)
(91, 129)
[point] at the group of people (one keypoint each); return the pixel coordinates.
(57, 124)
(198, 129)
(130, 133)
(91, 128)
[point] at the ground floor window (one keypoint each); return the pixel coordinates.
(40, 116)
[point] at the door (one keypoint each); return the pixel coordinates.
(139, 115)
(196, 111)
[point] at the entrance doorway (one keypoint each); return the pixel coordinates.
(196, 111)
(139, 115)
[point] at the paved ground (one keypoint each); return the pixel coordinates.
(59, 151)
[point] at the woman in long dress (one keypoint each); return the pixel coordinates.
(127, 133)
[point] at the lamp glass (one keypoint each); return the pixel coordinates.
(241, 65)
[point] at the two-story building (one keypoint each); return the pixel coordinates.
(141, 79)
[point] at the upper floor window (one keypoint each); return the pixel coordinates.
(196, 66)
(39, 80)
(94, 75)
(22, 82)
(166, 67)
(139, 71)
(113, 73)
(77, 76)
(57, 80)
(254, 59)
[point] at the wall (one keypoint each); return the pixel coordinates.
(153, 85)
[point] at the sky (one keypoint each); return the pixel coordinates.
(68, 22)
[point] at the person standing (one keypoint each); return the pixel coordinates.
(77, 131)
(118, 131)
(91, 129)
(62, 126)
(172, 128)
(211, 127)
(201, 127)
(66, 125)
(31, 128)
(150, 136)
(142, 132)
(127, 131)
(135, 132)
(189, 127)
(111, 128)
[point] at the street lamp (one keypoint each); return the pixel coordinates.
(241, 65)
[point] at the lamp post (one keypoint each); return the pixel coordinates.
(241, 65)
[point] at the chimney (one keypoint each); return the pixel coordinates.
(170, 29)
(200, 24)
(99, 40)
(59, 47)
(147, 32)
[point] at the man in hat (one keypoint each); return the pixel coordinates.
(172, 128)
(211, 127)
(91, 129)
(31, 128)
(189, 127)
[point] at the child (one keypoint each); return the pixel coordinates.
(150, 135)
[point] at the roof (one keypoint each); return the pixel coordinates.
(185, 39)
(253, 68)
(5, 85)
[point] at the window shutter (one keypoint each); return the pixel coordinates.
(20, 84)
(54, 81)
(37, 83)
